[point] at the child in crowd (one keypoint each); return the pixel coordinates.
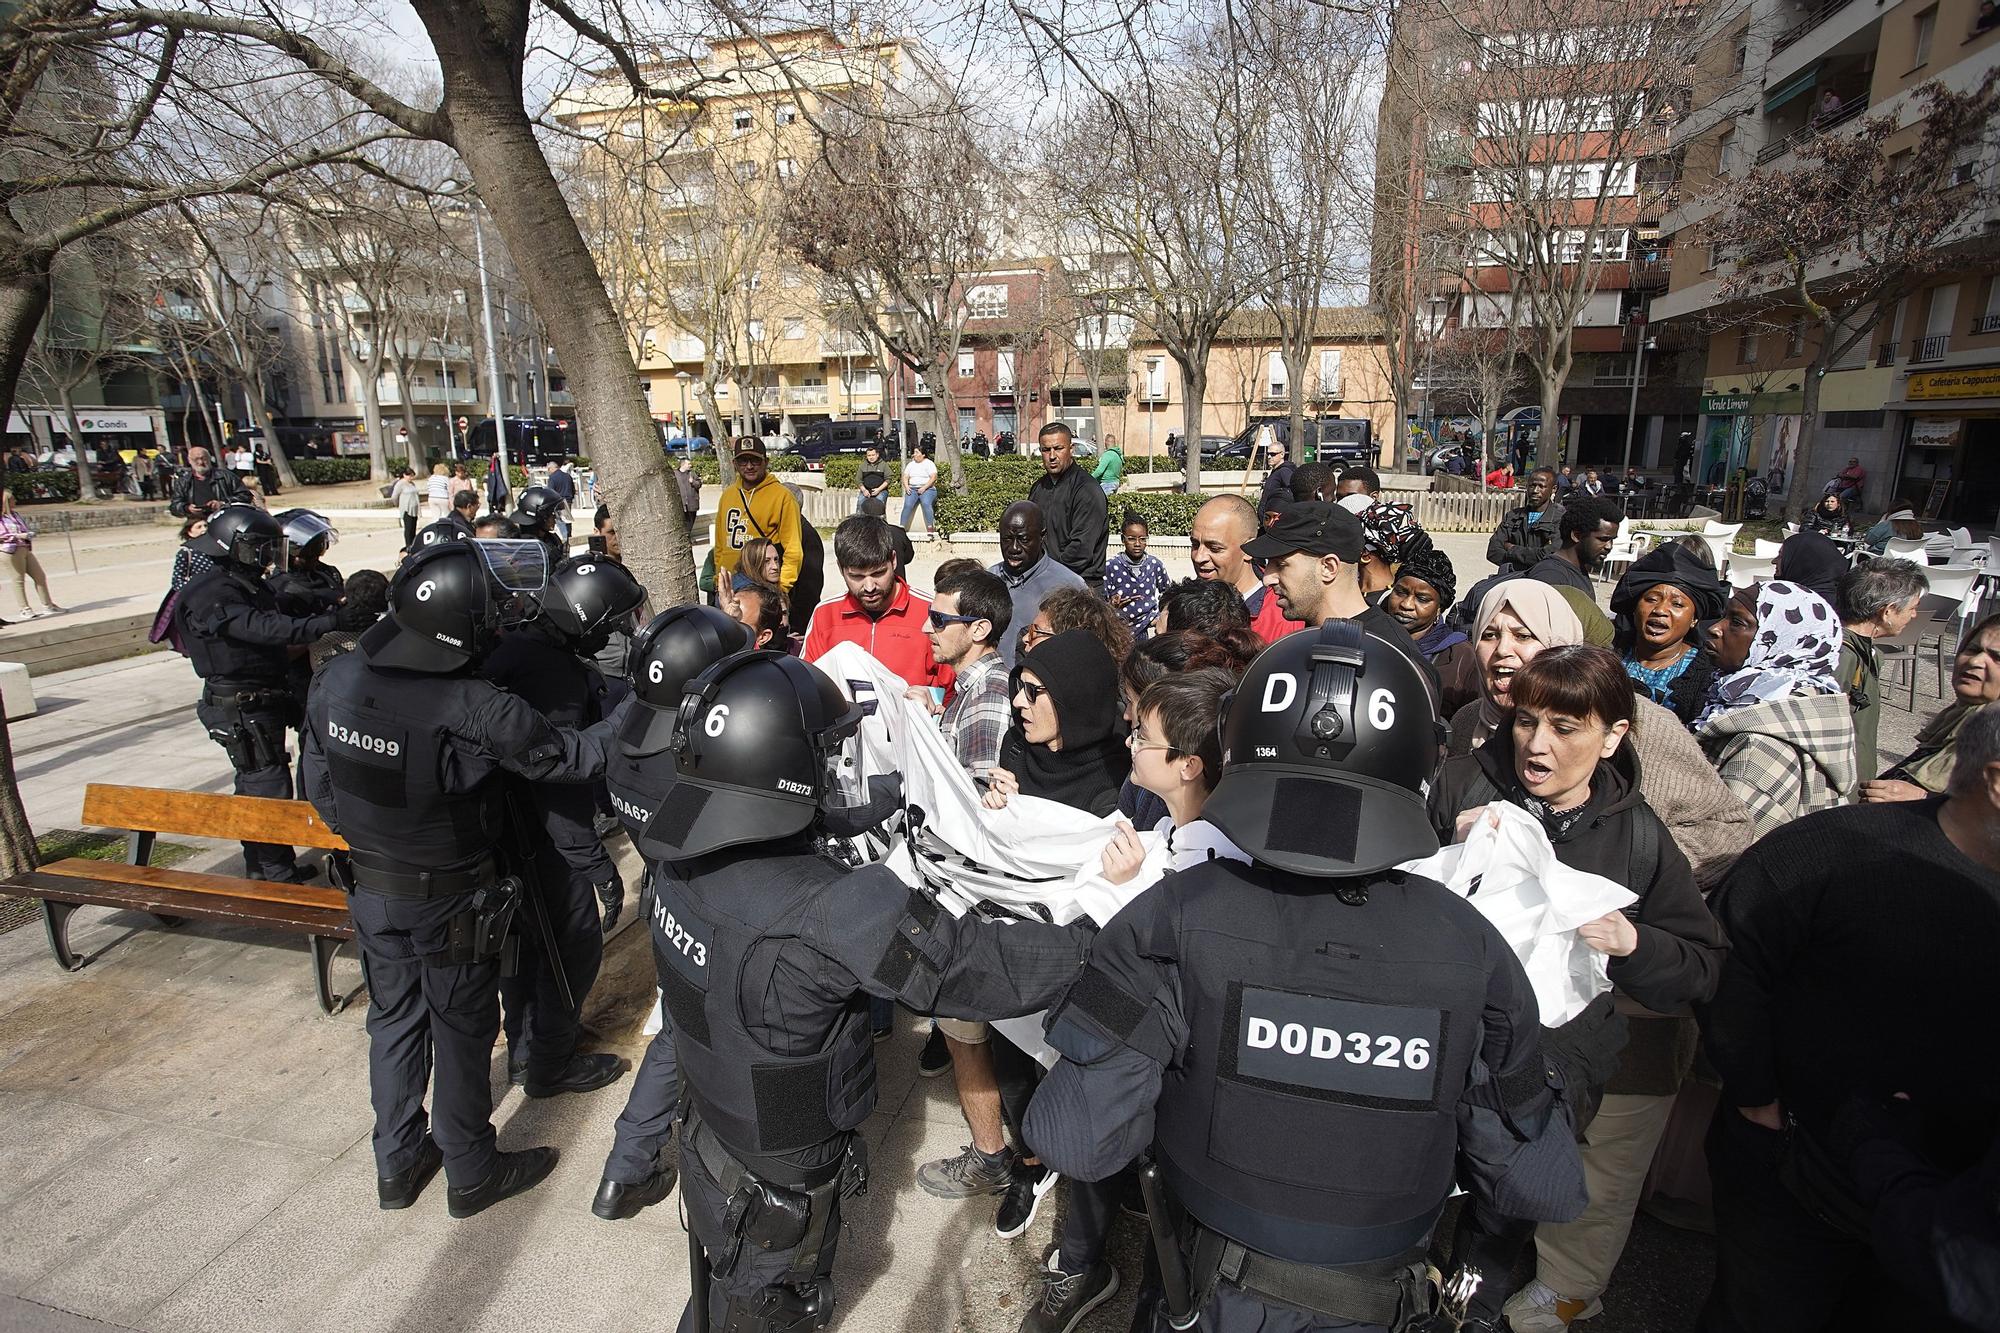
(1135, 580)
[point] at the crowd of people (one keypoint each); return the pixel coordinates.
(1324, 700)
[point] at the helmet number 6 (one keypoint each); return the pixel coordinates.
(717, 717)
(1382, 710)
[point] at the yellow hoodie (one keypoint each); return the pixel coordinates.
(767, 511)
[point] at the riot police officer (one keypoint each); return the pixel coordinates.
(547, 663)
(768, 951)
(238, 637)
(307, 582)
(458, 525)
(403, 749)
(1311, 1045)
(536, 513)
(675, 646)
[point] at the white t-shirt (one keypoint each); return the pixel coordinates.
(919, 476)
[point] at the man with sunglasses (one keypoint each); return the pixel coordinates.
(970, 612)
(879, 611)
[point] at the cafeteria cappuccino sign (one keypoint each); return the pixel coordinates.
(1971, 382)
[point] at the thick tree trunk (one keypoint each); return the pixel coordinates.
(371, 415)
(950, 458)
(1295, 385)
(86, 491)
(1802, 494)
(1194, 388)
(1548, 437)
(481, 50)
(17, 836)
(710, 404)
(24, 300)
(260, 412)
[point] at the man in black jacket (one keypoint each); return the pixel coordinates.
(1589, 526)
(1527, 534)
(203, 488)
(1075, 525)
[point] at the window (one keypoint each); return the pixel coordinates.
(1329, 372)
(745, 171)
(1156, 378)
(1868, 420)
(919, 387)
(794, 329)
(1004, 372)
(1926, 28)
(787, 168)
(1726, 152)
(865, 381)
(630, 129)
(1739, 56)
(740, 120)
(988, 300)
(786, 115)
(965, 356)
(1746, 348)
(756, 330)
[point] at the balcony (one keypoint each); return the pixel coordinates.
(1818, 125)
(842, 344)
(685, 349)
(1004, 389)
(1651, 272)
(1817, 15)
(425, 395)
(805, 395)
(1986, 324)
(561, 398)
(1885, 356)
(1931, 348)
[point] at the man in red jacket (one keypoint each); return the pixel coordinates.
(879, 610)
(1216, 547)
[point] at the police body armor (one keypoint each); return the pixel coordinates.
(708, 916)
(637, 784)
(1314, 1117)
(224, 661)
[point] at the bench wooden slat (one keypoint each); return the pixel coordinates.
(208, 815)
(193, 882)
(159, 900)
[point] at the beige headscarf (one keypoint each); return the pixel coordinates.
(1539, 606)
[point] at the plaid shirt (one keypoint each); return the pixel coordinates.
(979, 715)
(1785, 758)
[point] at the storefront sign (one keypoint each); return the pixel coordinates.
(1972, 382)
(1936, 432)
(1725, 404)
(135, 422)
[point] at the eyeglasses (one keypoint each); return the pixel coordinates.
(1032, 635)
(1138, 745)
(1032, 690)
(940, 620)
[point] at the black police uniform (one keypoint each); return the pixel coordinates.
(570, 860)
(767, 955)
(403, 765)
(237, 637)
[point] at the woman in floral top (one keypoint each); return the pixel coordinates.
(1134, 583)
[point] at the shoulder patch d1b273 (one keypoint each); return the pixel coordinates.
(1345, 1049)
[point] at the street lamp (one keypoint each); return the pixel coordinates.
(1638, 370)
(453, 187)
(686, 431)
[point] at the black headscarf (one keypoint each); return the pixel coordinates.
(1082, 681)
(1669, 562)
(1814, 563)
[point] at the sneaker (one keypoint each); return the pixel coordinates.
(1060, 1300)
(1024, 1195)
(936, 1057)
(1537, 1308)
(970, 1173)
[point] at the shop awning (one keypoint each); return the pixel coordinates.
(1798, 87)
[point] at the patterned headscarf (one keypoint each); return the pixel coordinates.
(1391, 532)
(1434, 567)
(1795, 652)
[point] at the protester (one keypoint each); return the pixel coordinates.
(1216, 548)
(1975, 682)
(1310, 482)
(1660, 604)
(811, 582)
(969, 614)
(874, 479)
(756, 504)
(1359, 480)
(1314, 554)
(1810, 561)
(759, 609)
(1206, 607)
(1877, 600)
(204, 488)
(920, 490)
(1422, 593)
(190, 559)
(1075, 528)
(1134, 580)
(1862, 942)
(1390, 535)
(1533, 530)
(1829, 517)
(1777, 725)
(1587, 528)
(1515, 621)
(563, 483)
(368, 591)
(1566, 758)
(1067, 743)
(1029, 572)
(17, 543)
(761, 562)
(1501, 478)
(490, 526)
(879, 611)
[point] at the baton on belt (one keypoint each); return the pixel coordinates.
(698, 1271)
(1174, 1283)
(531, 889)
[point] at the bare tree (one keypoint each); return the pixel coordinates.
(100, 309)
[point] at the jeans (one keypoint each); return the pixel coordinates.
(928, 499)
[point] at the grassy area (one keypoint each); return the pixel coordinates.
(1770, 529)
(59, 844)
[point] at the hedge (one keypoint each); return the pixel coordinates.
(44, 485)
(328, 471)
(1166, 513)
(1164, 463)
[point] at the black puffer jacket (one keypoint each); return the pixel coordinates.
(1679, 958)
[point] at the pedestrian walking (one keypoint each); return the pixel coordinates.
(17, 543)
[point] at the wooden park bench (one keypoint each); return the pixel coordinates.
(319, 912)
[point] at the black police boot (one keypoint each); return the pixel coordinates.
(612, 895)
(517, 1173)
(401, 1190)
(517, 1066)
(617, 1201)
(582, 1074)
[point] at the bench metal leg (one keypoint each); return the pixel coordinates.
(55, 920)
(324, 947)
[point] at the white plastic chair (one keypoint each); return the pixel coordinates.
(1745, 570)
(1625, 548)
(1944, 613)
(1900, 548)
(1768, 549)
(1721, 539)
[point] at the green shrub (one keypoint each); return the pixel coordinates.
(44, 485)
(329, 471)
(1163, 463)
(844, 473)
(517, 478)
(978, 509)
(397, 464)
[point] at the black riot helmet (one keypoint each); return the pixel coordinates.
(444, 530)
(675, 646)
(764, 744)
(539, 507)
(303, 528)
(587, 597)
(448, 601)
(243, 535)
(1328, 746)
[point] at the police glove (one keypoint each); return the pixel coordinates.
(1585, 1052)
(352, 617)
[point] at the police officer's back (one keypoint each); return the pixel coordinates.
(537, 512)
(768, 952)
(404, 743)
(1314, 1046)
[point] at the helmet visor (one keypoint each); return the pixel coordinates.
(519, 570)
(844, 783)
(304, 527)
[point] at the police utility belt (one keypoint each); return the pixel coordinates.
(1395, 1293)
(483, 931)
(770, 1216)
(223, 694)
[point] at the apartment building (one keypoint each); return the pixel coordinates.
(1521, 144)
(1917, 399)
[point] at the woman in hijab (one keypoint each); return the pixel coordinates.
(1777, 725)
(1516, 620)
(1391, 536)
(1812, 562)
(1421, 594)
(1067, 742)
(1659, 605)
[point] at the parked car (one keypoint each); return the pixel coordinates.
(1211, 445)
(530, 440)
(1339, 442)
